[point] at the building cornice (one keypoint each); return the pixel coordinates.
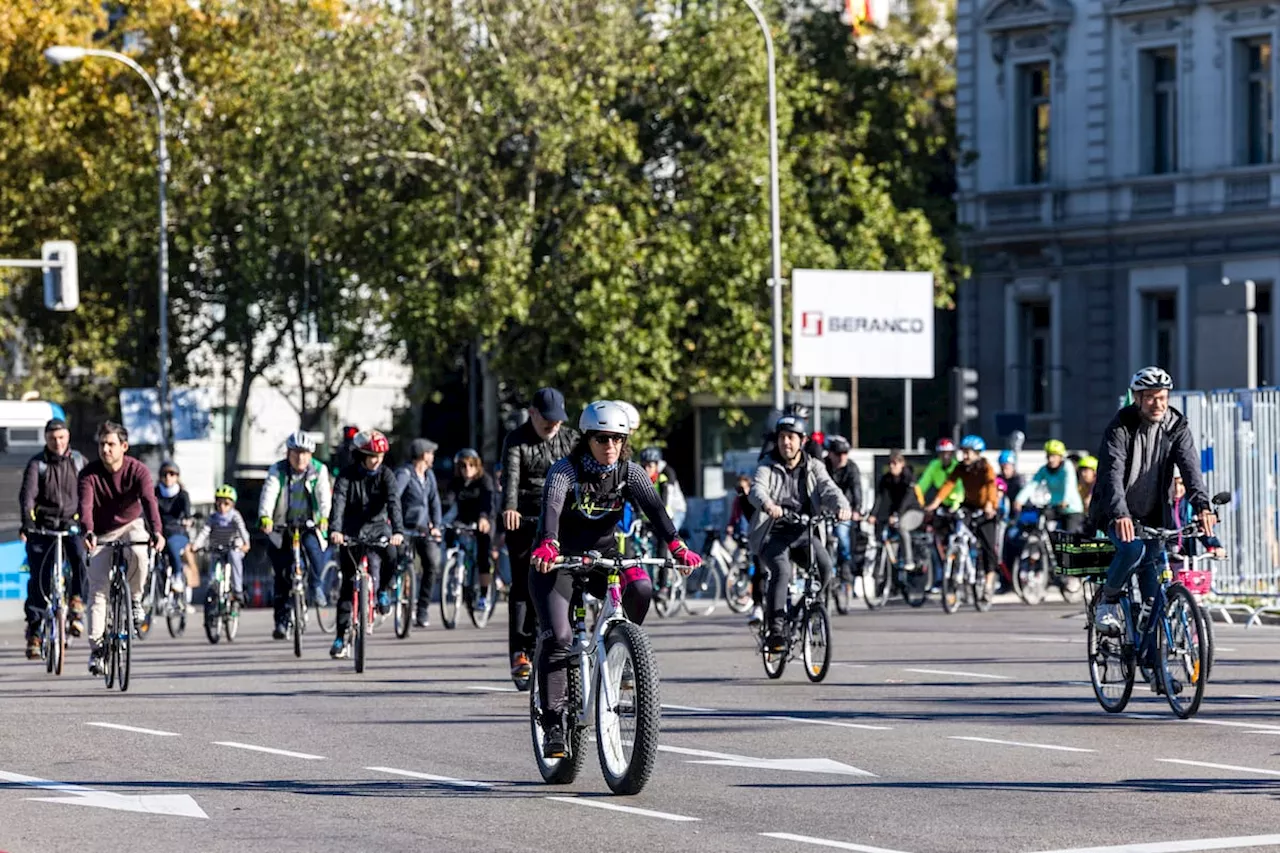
(1002, 16)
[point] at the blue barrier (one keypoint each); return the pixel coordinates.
(13, 570)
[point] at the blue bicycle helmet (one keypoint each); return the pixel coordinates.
(1008, 457)
(973, 442)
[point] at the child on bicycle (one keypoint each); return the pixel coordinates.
(225, 528)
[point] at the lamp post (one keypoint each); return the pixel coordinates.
(774, 222)
(60, 54)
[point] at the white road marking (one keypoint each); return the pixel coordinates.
(1215, 648)
(174, 805)
(1231, 767)
(691, 708)
(431, 777)
(1045, 639)
(490, 688)
(1235, 725)
(614, 807)
(800, 765)
(122, 728)
(268, 749)
(961, 674)
(1021, 743)
(839, 723)
(827, 842)
(1182, 846)
(851, 665)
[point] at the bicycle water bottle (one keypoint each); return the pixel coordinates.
(1145, 614)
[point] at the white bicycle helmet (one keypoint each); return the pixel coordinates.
(301, 441)
(1151, 379)
(633, 414)
(605, 416)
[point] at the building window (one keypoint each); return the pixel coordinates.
(1160, 316)
(1033, 123)
(1263, 350)
(1036, 339)
(1255, 100)
(1160, 108)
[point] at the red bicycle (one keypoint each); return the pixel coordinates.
(361, 598)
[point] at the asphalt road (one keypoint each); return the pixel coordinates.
(933, 734)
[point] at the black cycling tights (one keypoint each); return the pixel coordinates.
(776, 554)
(551, 594)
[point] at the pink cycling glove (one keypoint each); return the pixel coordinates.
(547, 551)
(683, 556)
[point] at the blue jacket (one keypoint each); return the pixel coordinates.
(419, 498)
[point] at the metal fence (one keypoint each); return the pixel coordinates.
(1238, 433)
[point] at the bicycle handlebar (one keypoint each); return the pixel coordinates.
(1164, 534)
(592, 559)
(806, 519)
(353, 541)
(40, 531)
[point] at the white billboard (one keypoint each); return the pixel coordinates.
(865, 325)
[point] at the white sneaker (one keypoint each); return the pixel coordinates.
(757, 615)
(1108, 618)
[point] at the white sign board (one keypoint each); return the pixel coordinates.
(866, 325)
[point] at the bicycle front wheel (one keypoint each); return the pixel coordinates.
(176, 614)
(737, 585)
(951, 584)
(59, 648)
(1111, 663)
(212, 611)
(489, 591)
(404, 603)
(816, 650)
(876, 577)
(702, 590)
(299, 621)
(1030, 576)
(628, 710)
(451, 592)
(1184, 652)
(124, 639)
(668, 596)
(362, 621)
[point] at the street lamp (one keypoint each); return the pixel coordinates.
(59, 54)
(774, 223)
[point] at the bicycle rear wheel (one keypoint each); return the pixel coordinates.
(877, 577)
(627, 727)
(404, 602)
(702, 590)
(982, 592)
(816, 649)
(1183, 651)
(331, 587)
(1031, 576)
(558, 771)
(737, 584)
(668, 597)
(362, 621)
(1111, 663)
(451, 592)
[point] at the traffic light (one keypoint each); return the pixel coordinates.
(61, 283)
(964, 395)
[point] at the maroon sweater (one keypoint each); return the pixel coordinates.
(109, 501)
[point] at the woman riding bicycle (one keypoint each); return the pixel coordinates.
(471, 493)
(582, 502)
(978, 479)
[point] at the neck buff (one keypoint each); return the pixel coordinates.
(590, 464)
(169, 491)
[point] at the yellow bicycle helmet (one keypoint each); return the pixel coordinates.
(1090, 462)
(1054, 447)
(225, 491)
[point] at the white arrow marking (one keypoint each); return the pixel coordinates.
(175, 805)
(800, 765)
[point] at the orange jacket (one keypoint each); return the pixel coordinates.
(979, 480)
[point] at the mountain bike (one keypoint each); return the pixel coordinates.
(362, 603)
(612, 680)
(807, 625)
(888, 572)
(119, 630)
(1164, 638)
(53, 622)
(221, 611)
(960, 581)
(459, 581)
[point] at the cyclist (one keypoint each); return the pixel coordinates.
(365, 506)
(844, 472)
(896, 492)
(175, 518)
(1142, 444)
(419, 495)
(980, 495)
(117, 503)
(529, 450)
(49, 499)
(938, 470)
(1086, 476)
(581, 503)
(1011, 479)
(790, 481)
(665, 482)
(798, 410)
(225, 528)
(297, 490)
(469, 496)
(1059, 478)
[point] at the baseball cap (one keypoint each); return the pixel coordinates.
(55, 424)
(550, 404)
(419, 446)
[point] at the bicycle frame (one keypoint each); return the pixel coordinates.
(963, 541)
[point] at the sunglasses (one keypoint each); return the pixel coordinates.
(170, 473)
(603, 438)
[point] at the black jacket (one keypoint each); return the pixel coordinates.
(174, 511)
(527, 459)
(50, 492)
(849, 480)
(895, 495)
(1114, 463)
(474, 500)
(366, 505)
